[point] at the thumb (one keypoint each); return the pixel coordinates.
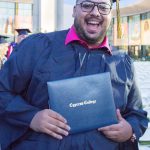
(119, 115)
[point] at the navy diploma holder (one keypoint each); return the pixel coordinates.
(86, 102)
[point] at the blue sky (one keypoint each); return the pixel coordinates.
(69, 1)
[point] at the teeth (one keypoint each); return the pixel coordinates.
(93, 22)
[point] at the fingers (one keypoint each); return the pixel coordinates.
(111, 134)
(118, 132)
(56, 129)
(50, 122)
(53, 134)
(119, 115)
(114, 127)
(56, 115)
(58, 124)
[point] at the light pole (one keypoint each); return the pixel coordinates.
(59, 14)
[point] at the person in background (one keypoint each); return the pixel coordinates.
(11, 47)
(3, 49)
(3, 39)
(22, 34)
(27, 122)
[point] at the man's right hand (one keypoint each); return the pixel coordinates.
(50, 122)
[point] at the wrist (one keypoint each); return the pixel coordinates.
(133, 137)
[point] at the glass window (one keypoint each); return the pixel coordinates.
(134, 30)
(145, 53)
(124, 35)
(144, 16)
(145, 29)
(24, 16)
(25, 9)
(7, 13)
(148, 15)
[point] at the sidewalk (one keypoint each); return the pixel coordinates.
(144, 148)
(143, 77)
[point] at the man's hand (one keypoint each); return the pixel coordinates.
(50, 122)
(120, 132)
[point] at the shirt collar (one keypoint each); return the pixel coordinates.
(72, 37)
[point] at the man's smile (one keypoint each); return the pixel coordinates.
(93, 25)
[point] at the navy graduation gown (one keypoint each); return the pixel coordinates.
(23, 92)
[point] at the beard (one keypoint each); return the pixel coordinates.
(83, 35)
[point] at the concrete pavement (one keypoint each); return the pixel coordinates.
(143, 77)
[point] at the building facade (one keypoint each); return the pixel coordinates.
(14, 15)
(135, 23)
(51, 15)
(135, 35)
(36, 15)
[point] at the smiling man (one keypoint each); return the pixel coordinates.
(27, 122)
(91, 23)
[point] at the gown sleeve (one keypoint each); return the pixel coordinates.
(16, 112)
(134, 112)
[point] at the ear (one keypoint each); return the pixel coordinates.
(74, 11)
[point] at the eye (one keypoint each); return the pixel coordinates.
(103, 7)
(87, 5)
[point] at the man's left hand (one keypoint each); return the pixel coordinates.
(120, 132)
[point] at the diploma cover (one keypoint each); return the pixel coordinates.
(86, 102)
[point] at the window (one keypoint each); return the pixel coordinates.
(7, 13)
(24, 15)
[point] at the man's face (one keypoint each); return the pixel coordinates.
(91, 26)
(20, 38)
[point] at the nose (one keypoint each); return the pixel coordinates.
(95, 11)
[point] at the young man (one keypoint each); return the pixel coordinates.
(3, 49)
(26, 122)
(22, 34)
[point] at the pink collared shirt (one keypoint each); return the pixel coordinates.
(72, 36)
